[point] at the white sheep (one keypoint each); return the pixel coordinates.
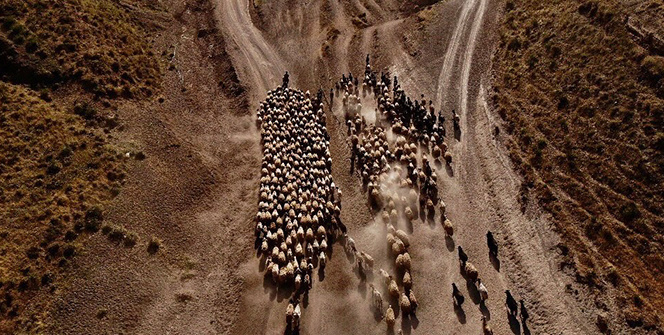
(484, 293)
(298, 282)
(385, 216)
(389, 317)
(398, 247)
(393, 289)
(350, 245)
(386, 277)
(299, 251)
(471, 271)
(368, 260)
(404, 303)
(407, 280)
(447, 226)
(403, 237)
(391, 239)
(310, 235)
(322, 260)
(290, 309)
(403, 262)
(409, 214)
(297, 313)
(377, 298)
(413, 301)
(394, 216)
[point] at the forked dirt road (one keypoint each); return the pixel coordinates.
(260, 61)
(481, 192)
(197, 190)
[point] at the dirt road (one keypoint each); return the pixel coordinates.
(481, 193)
(257, 57)
(197, 189)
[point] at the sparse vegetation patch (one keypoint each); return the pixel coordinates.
(583, 100)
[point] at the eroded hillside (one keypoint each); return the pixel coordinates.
(581, 86)
(62, 66)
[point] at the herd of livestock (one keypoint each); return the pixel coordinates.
(395, 145)
(299, 204)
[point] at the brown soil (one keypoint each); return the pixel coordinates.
(60, 165)
(587, 128)
(191, 202)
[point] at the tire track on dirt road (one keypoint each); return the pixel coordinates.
(530, 269)
(451, 52)
(468, 56)
(261, 62)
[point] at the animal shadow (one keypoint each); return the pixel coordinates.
(448, 169)
(449, 243)
(406, 324)
(526, 331)
(290, 331)
(460, 314)
(514, 324)
(495, 262)
(472, 292)
(321, 274)
(485, 311)
(414, 322)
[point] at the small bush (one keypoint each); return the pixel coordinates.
(106, 229)
(8, 23)
(653, 67)
(85, 110)
(69, 251)
(32, 45)
(154, 245)
(33, 253)
(659, 142)
(93, 218)
(183, 297)
(117, 234)
(101, 313)
(131, 239)
(53, 168)
(65, 152)
(629, 212)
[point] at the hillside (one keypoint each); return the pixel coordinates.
(582, 94)
(62, 66)
(142, 193)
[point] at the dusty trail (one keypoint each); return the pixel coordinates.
(468, 55)
(492, 187)
(451, 52)
(197, 190)
(259, 60)
(480, 191)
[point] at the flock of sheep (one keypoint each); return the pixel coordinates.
(299, 204)
(393, 148)
(402, 131)
(380, 150)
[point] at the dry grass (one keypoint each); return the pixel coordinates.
(57, 168)
(584, 103)
(94, 43)
(55, 176)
